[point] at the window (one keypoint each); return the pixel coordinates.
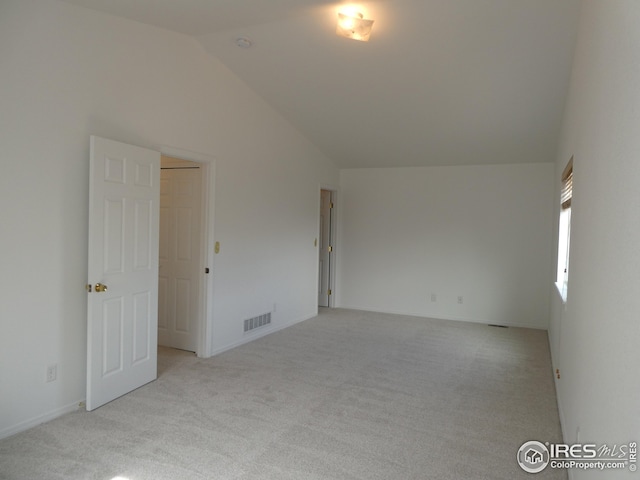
(564, 229)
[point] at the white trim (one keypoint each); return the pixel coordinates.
(561, 288)
(40, 419)
(263, 333)
(183, 154)
(208, 255)
(208, 162)
(335, 196)
(448, 317)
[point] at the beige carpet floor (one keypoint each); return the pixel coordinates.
(347, 395)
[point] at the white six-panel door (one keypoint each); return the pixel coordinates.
(180, 265)
(123, 257)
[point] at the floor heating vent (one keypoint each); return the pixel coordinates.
(257, 322)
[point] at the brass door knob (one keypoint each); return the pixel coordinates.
(100, 287)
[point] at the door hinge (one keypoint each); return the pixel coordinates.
(331, 205)
(329, 292)
(330, 248)
(206, 270)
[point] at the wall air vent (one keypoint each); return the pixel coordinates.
(257, 322)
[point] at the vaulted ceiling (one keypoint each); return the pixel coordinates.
(441, 82)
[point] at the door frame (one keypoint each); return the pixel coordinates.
(333, 240)
(204, 343)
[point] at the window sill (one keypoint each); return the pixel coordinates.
(562, 291)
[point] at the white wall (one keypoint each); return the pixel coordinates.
(67, 73)
(480, 232)
(597, 332)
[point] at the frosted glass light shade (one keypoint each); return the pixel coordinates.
(354, 26)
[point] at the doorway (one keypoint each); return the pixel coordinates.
(180, 254)
(123, 257)
(326, 254)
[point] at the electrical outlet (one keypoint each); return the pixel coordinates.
(52, 373)
(460, 300)
(434, 297)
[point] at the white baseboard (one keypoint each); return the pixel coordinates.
(250, 337)
(40, 419)
(443, 317)
(72, 407)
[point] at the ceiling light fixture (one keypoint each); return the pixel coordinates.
(354, 26)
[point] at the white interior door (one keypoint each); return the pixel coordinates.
(180, 264)
(324, 249)
(124, 200)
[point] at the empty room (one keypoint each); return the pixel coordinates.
(410, 228)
